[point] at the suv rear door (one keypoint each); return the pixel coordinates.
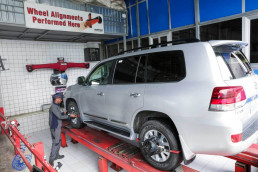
(236, 71)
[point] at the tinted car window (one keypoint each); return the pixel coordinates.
(234, 64)
(140, 78)
(165, 66)
(125, 70)
(232, 60)
(101, 74)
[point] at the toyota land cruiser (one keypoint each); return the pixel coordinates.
(179, 100)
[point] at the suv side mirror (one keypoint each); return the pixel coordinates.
(81, 80)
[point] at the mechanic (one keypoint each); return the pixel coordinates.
(55, 123)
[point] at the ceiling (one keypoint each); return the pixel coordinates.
(23, 33)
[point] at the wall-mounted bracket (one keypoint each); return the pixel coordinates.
(2, 68)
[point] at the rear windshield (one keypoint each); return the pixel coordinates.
(232, 62)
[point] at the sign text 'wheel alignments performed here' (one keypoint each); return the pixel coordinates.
(55, 18)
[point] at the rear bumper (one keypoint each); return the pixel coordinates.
(214, 136)
(242, 146)
(220, 149)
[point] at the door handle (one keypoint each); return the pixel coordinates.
(135, 95)
(100, 94)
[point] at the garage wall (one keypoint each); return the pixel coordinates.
(209, 9)
(182, 13)
(32, 122)
(24, 92)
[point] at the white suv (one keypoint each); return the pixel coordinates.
(179, 100)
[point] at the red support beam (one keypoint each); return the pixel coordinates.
(242, 167)
(63, 140)
(74, 141)
(40, 148)
(16, 138)
(1, 119)
(2, 110)
(103, 166)
(116, 167)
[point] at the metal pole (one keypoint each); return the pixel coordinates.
(118, 48)
(138, 24)
(106, 47)
(148, 18)
(169, 15)
(197, 18)
(131, 25)
(243, 6)
(246, 29)
(124, 40)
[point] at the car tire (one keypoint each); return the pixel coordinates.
(166, 160)
(73, 108)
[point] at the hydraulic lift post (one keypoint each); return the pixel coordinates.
(103, 165)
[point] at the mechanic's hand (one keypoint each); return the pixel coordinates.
(73, 115)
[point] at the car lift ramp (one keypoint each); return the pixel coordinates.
(121, 154)
(246, 159)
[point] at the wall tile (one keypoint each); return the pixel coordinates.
(25, 92)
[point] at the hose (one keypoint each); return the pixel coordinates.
(18, 163)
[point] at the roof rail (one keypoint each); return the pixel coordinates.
(183, 41)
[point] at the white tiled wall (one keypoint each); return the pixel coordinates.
(32, 122)
(24, 92)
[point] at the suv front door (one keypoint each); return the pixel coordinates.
(93, 94)
(124, 97)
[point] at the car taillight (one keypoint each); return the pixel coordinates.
(236, 138)
(227, 98)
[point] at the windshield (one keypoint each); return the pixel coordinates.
(232, 62)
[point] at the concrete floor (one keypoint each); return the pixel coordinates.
(6, 154)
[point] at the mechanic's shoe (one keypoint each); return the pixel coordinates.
(51, 163)
(59, 156)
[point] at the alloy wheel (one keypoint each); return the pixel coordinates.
(161, 142)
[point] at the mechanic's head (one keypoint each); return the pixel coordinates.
(58, 98)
